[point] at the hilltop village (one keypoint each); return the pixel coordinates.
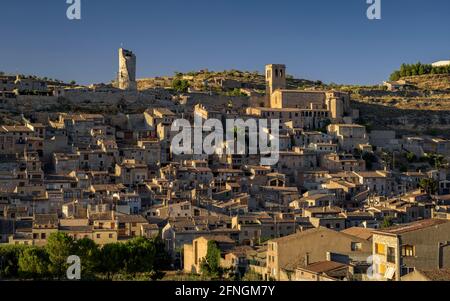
(339, 195)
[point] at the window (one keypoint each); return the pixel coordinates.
(382, 269)
(98, 235)
(380, 249)
(272, 247)
(110, 235)
(408, 251)
(196, 252)
(356, 246)
(391, 255)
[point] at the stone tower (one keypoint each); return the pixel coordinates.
(275, 79)
(127, 70)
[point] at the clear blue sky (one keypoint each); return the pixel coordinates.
(330, 40)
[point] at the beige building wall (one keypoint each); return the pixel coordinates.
(275, 79)
(315, 243)
(127, 70)
(298, 99)
(194, 254)
(426, 249)
(41, 235)
(103, 237)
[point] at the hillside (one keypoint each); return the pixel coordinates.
(221, 81)
(404, 121)
(430, 81)
(407, 100)
(423, 109)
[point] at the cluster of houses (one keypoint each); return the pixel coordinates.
(320, 214)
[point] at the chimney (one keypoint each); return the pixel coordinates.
(439, 256)
(329, 256)
(306, 259)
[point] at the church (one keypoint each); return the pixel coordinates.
(305, 109)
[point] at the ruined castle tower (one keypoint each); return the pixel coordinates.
(275, 79)
(127, 70)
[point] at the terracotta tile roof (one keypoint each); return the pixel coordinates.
(360, 232)
(324, 266)
(415, 226)
(372, 174)
(334, 210)
(219, 238)
(45, 219)
(125, 218)
(437, 275)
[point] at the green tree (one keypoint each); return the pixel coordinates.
(422, 70)
(9, 261)
(395, 76)
(211, 263)
(251, 275)
(89, 254)
(180, 85)
(162, 258)
(430, 186)
(387, 222)
(418, 69)
(59, 247)
(435, 160)
(411, 157)
(34, 263)
(112, 259)
(236, 92)
(403, 70)
(370, 159)
(324, 126)
(140, 255)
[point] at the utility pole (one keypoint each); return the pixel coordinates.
(393, 160)
(276, 228)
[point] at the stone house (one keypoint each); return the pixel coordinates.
(349, 136)
(420, 245)
(285, 254)
(131, 173)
